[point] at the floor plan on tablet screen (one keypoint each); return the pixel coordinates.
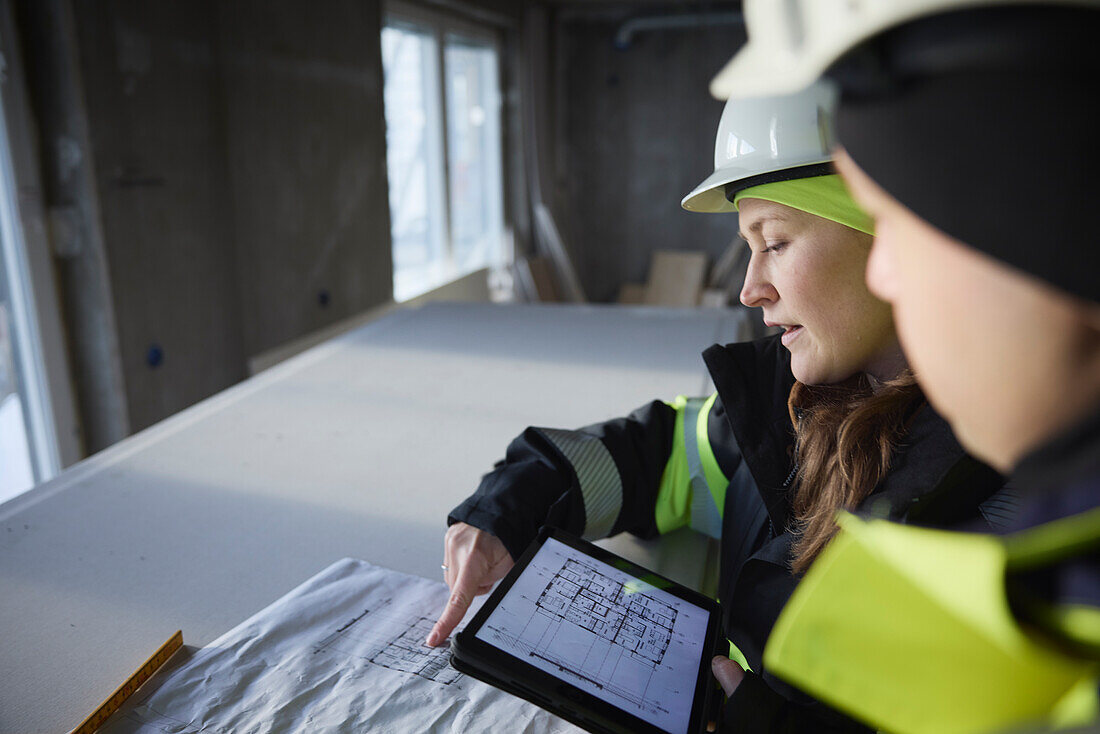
(638, 625)
(606, 632)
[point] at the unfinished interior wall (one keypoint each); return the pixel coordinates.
(636, 133)
(151, 86)
(239, 155)
(240, 165)
(306, 147)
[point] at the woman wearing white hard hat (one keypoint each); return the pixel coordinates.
(970, 136)
(736, 465)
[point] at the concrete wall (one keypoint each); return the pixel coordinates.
(636, 133)
(239, 156)
(307, 145)
(240, 165)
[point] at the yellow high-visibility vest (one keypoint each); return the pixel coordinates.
(909, 629)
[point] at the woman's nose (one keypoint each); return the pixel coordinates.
(757, 289)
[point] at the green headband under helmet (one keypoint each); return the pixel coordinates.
(822, 196)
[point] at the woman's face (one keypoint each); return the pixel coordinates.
(807, 275)
(995, 351)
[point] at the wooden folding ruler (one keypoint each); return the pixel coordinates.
(123, 692)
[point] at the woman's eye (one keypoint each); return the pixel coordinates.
(774, 247)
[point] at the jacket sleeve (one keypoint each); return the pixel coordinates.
(629, 474)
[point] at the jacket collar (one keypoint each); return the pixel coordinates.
(932, 479)
(1068, 458)
(753, 380)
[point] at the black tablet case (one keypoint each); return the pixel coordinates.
(563, 699)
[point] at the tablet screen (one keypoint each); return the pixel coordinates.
(605, 631)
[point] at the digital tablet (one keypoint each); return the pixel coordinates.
(595, 639)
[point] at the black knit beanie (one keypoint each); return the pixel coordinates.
(985, 124)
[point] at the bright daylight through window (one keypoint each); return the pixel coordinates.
(16, 474)
(444, 152)
(28, 447)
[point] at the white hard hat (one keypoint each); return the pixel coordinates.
(792, 43)
(768, 139)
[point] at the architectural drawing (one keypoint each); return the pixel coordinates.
(615, 636)
(594, 629)
(581, 595)
(393, 643)
(342, 652)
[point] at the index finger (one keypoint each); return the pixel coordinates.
(461, 595)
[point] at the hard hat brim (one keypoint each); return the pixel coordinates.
(772, 63)
(711, 196)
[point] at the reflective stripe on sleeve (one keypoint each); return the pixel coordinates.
(600, 483)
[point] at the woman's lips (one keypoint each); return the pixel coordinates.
(790, 333)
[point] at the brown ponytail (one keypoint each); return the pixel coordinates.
(845, 435)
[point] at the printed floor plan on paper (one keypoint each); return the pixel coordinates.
(389, 640)
(343, 652)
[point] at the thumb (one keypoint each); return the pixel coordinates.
(728, 673)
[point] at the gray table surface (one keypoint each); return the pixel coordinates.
(358, 447)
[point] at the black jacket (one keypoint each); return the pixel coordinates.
(1058, 480)
(932, 481)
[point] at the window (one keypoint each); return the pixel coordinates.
(28, 446)
(444, 149)
(16, 474)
